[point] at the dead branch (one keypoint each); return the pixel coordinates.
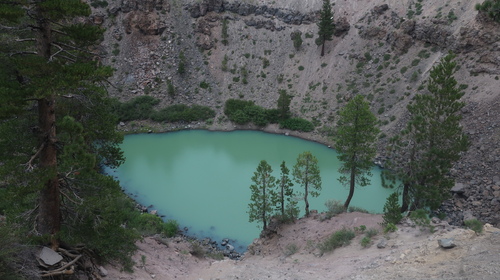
(30, 162)
(54, 273)
(67, 196)
(26, 40)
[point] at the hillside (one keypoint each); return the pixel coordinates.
(382, 49)
(409, 253)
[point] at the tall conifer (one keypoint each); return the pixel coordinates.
(355, 141)
(423, 154)
(52, 98)
(326, 26)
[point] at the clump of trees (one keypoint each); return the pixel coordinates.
(276, 197)
(271, 197)
(423, 154)
(142, 108)
(245, 111)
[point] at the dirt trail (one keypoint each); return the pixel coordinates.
(292, 254)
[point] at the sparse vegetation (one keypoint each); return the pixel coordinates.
(224, 33)
(338, 239)
(475, 225)
(490, 8)
(392, 209)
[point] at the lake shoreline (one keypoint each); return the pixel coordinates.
(146, 126)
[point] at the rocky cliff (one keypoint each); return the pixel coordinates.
(382, 49)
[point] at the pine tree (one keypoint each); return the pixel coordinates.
(423, 154)
(284, 101)
(285, 203)
(306, 173)
(262, 204)
(57, 129)
(326, 26)
(355, 142)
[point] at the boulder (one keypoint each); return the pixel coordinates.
(372, 32)
(342, 26)
(382, 243)
(468, 215)
(380, 9)
(102, 271)
(458, 188)
(49, 256)
(447, 243)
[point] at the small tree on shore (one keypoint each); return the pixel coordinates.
(261, 205)
(286, 206)
(355, 142)
(306, 173)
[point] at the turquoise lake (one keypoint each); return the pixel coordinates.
(202, 179)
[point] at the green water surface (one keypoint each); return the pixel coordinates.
(202, 179)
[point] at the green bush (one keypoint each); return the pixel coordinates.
(139, 108)
(181, 67)
(273, 115)
(390, 227)
(421, 219)
(170, 89)
(170, 228)
(334, 207)
(491, 8)
(297, 124)
(366, 241)
(240, 117)
(392, 210)
(256, 114)
(357, 209)
(233, 105)
(371, 232)
(475, 225)
(338, 239)
(181, 112)
(297, 39)
(147, 224)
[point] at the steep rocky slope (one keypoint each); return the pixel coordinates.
(383, 49)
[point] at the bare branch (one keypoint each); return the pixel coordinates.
(67, 196)
(30, 162)
(26, 40)
(56, 53)
(21, 53)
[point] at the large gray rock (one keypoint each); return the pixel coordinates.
(447, 243)
(49, 256)
(458, 188)
(382, 243)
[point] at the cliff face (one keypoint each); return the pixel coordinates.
(383, 49)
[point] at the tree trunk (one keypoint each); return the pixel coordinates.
(49, 216)
(323, 48)
(352, 184)
(282, 200)
(406, 198)
(306, 189)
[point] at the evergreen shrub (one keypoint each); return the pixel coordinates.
(338, 239)
(297, 124)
